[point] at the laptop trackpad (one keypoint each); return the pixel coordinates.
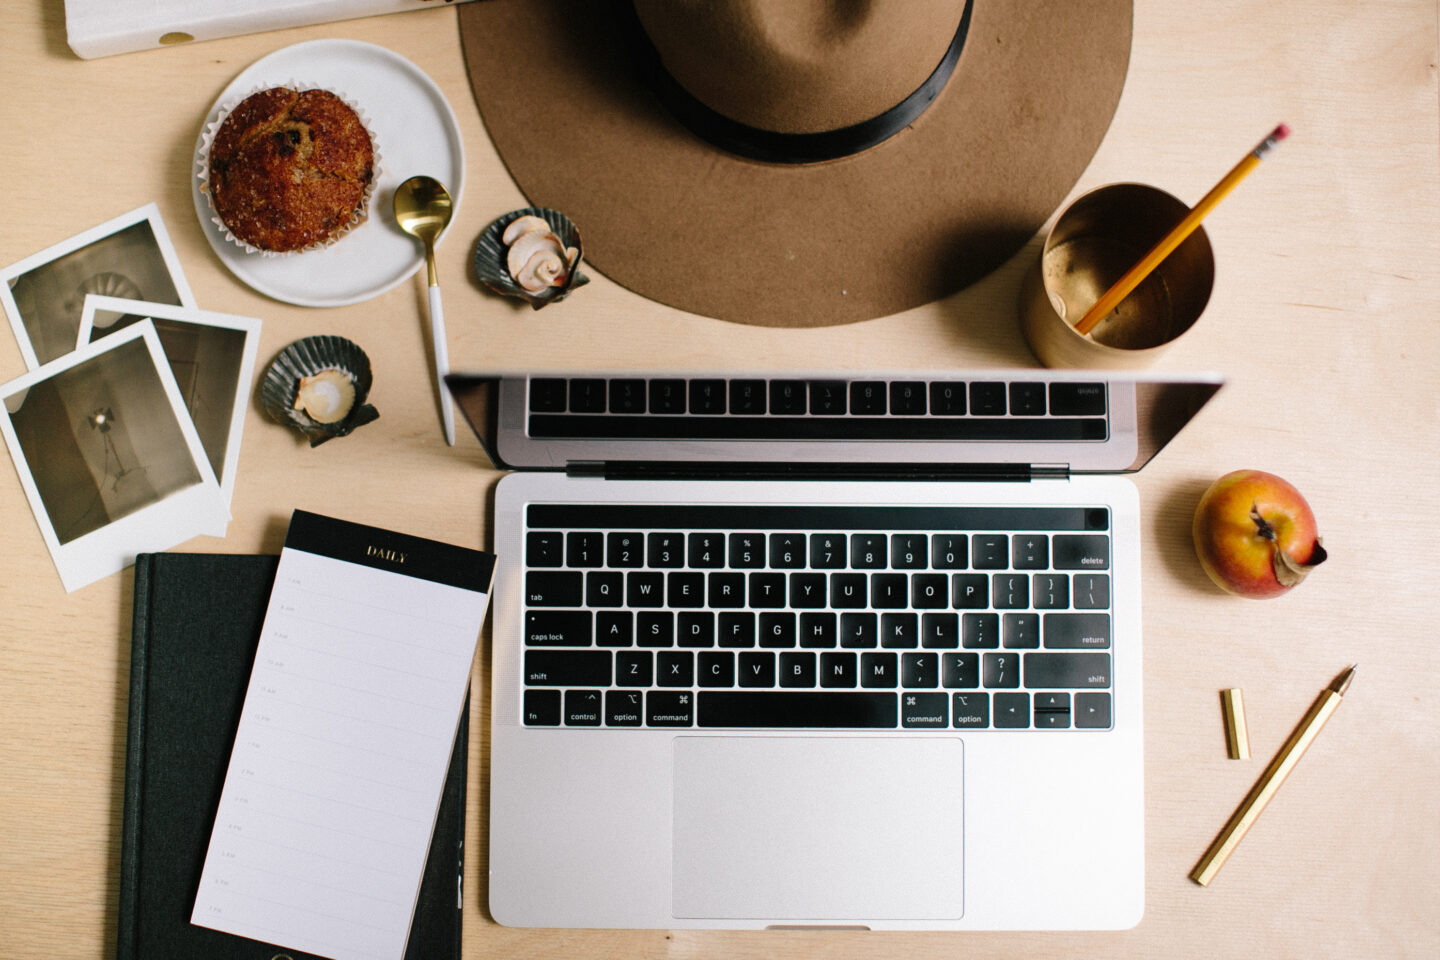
(827, 829)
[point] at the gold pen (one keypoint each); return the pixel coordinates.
(1270, 780)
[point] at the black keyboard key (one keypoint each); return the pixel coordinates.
(970, 591)
(627, 396)
(1027, 399)
(827, 398)
(707, 396)
(665, 549)
(807, 591)
(1050, 591)
(1082, 551)
(1011, 591)
(1052, 711)
(889, 591)
(899, 630)
(587, 396)
(544, 548)
(747, 550)
(1092, 711)
(747, 398)
(644, 588)
(868, 398)
(868, 551)
(879, 670)
(787, 551)
(947, 398)
(567, 668)
(726, 590)
(970, 711)
(980, 631)
(787, 397)
(949, 551)
(1065, 671)
(667, 396)
(557, 628)
(553, 588)
(909, 551)
(583, 708)
(685, 589)
(1030, 551)
(756, 670)
(777, 630)
(919, 669)
(584, 549)
(547, 395)
(818, 708)
(1077, 399)
(907, 398)
(857, 630)
(925, 710)
(715, 669)
(674, 668)
(737, 630)
(624, 708)
(990, 551)
(695, 628)
(827, 551)
(1077, 631)
(542, 708)
(614, 628)
(1011, 711)
(654, 628)
(1092, 591)
(1000, 670)
(987, 399)
(1020, 631)
(634, 668)
(939, 631)
(604, 588)
(669, 708)
(624, 550)
(837, 670)
(959, 671)
(848, 590)
(797, 669)
(767, 590)
(706, 550)
(817, 630)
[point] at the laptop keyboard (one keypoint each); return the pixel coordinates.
(823, 617)
(637, 408)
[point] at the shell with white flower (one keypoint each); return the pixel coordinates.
(533, 254)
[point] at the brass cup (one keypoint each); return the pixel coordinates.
(1093, 242)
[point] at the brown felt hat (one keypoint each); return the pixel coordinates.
(797, 162)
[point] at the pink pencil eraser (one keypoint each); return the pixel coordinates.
(1281, 132)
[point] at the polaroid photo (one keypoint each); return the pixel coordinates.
(130, 256)
(108, 456)
(212, 356)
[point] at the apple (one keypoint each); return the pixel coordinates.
(1255, 534)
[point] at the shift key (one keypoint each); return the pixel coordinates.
(1066, 671)
(567, 668)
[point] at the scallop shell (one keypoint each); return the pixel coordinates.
(111, 284)
(490, 250)
(309, 358)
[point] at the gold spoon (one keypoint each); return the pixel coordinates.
(422, 209)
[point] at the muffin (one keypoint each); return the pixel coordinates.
(289, 170)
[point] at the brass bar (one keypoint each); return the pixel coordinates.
(1237, 738)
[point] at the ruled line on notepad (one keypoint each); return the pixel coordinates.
(320, 796)
(373, 636)
(339, 743)
(353, 659)
(265, 812)
(271, 757)
(315, 913)
(276, 698)
(300, 588)
(354, 689)
(314, 883)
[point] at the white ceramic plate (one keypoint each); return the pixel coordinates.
(416, 133)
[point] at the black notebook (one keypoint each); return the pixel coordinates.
(197, 621)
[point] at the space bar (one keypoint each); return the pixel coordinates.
(779, 708)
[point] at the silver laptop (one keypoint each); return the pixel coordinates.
(817, 650)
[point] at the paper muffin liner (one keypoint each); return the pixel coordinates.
(202, 168)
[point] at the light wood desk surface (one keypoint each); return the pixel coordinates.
(1323, 317)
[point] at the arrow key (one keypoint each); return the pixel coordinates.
(1092, 711)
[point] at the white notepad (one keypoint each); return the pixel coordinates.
(344, 740)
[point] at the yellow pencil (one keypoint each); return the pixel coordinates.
(1111, 298)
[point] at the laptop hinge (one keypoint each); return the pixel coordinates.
(719, 470)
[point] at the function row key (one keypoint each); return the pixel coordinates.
(742, 397)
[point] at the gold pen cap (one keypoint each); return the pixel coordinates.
(1237, 739)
